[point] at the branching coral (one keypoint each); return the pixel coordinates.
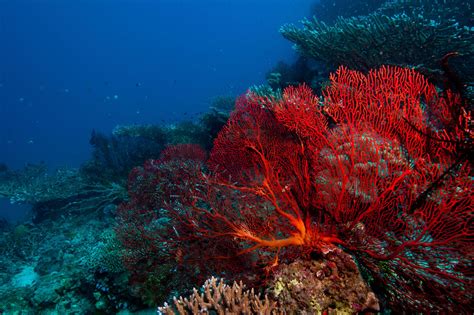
(220, 298)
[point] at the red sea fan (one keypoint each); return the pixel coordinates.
(372, 167)
(377, 182)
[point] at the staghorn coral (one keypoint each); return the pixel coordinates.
(220, 298)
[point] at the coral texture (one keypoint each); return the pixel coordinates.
(219, 298)
(367, 42)
(330, 284)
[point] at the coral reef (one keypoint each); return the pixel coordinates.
(357, 201)
(57, 266)
(330, 284)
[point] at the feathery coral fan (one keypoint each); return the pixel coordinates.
(379, 167)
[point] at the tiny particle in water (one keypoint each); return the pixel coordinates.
(115, 96)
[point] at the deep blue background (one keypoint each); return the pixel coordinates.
(67, 67)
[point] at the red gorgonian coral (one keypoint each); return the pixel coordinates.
(374, 167)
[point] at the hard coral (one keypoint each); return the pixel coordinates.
(216, 297)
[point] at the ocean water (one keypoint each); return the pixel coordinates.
(68, 68)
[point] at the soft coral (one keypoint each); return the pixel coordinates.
(358, 169)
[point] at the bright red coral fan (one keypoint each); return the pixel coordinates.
(378, 166)
(386, 180)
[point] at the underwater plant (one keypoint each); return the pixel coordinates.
(379, 166)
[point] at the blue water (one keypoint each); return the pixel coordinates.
(67, 67)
